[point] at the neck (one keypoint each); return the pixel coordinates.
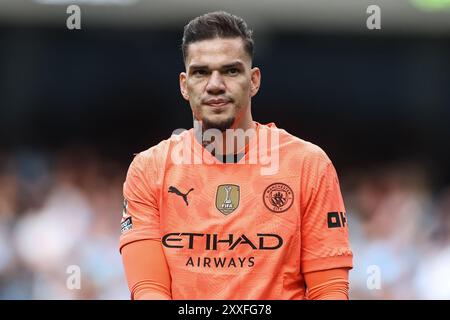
(232, 143)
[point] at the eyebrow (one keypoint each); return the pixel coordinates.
(226, 66)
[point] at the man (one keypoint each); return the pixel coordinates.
(232, 209)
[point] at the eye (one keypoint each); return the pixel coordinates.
(233, 71)
(199, 72)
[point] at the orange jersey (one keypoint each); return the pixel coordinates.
(230, 232)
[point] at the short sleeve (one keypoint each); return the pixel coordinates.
(324, 225)
(140, 216)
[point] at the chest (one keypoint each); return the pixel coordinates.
(228, 198)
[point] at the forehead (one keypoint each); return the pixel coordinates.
(216, 52)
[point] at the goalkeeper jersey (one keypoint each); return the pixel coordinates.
(242, 230)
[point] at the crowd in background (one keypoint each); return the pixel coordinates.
(400, 232)
(56, 212)
(64, 209)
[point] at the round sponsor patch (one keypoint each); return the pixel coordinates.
(278, 197)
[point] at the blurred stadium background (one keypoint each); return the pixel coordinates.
(75, 106)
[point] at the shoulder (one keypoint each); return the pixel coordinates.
(299, 150)
(154, 158)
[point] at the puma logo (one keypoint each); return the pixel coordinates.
(179, 193)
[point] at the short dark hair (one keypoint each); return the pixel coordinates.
(218, 24)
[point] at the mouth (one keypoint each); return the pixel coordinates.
(217, 103)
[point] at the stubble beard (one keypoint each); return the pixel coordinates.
(221, 125)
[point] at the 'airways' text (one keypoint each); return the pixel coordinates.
(221, 262)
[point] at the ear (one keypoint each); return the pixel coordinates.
(183, 86)
(256, 81)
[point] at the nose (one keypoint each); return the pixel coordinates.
(215, 83)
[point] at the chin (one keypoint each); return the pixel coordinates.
(220, 124)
